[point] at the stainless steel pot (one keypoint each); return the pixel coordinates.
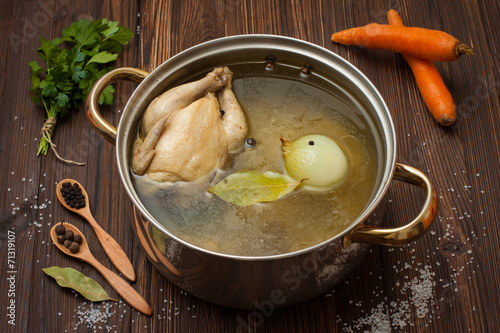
(279, 280)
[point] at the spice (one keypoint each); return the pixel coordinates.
(78, 239)
(248, 187)
(72, 194)
(74, 247)
(93, 317)
(270, 66)
(60, 229)
(305, 72)
(69, 235)
(61, 239)
(70, 278)
(70, 240)
(250, 143)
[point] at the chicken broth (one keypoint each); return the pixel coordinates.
(274, 105)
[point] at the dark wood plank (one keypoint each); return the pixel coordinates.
(441, 153)
(477, 84)
(78, 142)
(458, 179)
(21, 168)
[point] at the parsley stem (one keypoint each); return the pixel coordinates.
(43, 148)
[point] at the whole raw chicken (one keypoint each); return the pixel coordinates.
(189, 131)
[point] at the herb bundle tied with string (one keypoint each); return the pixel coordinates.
(71, 71)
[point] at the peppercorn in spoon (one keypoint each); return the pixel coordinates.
(71, 197)
(82, 252)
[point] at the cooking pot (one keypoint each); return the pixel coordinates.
(274, 281)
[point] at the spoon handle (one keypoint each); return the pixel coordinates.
(114, 251)
(129, 294)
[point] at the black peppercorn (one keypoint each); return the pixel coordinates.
(73, 195)
(74, 247)
(69, 235)
(311, 143)
(78, 239)
(67, 243)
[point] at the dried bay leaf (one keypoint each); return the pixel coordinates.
(248, 187)
(70, 278)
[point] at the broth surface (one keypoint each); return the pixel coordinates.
(274, 106)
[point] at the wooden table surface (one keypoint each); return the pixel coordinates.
(447, 281)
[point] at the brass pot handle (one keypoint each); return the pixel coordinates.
(105, 129)
(411, 231)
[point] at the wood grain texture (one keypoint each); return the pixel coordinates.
(460, 253)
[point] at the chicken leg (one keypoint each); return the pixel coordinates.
(234, 120)
(144, 150)
(181, 96)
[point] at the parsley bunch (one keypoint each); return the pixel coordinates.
(71, 72)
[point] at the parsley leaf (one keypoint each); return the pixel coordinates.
(62, 99)
(107, 95)
(103, 58)
(111, 30)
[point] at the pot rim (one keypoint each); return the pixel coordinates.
(305, 48)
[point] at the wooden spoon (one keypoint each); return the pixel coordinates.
(129, 294)
(111, 247)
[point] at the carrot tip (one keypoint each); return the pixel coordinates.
(448, 121)
(463, 49)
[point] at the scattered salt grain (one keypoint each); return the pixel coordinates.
(95, 318)
(398, 314)
(378, 320)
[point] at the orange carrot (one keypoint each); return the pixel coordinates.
(419, 42)
(437, 98)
